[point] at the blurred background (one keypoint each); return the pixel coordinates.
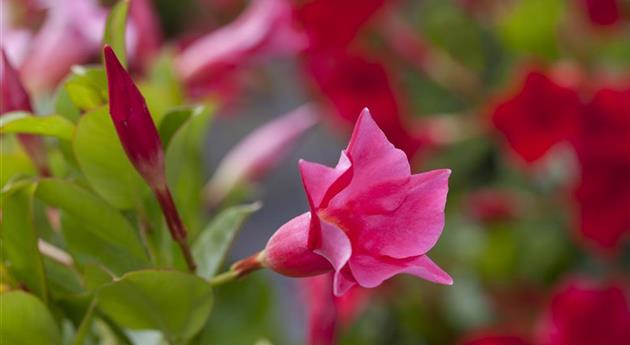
(527, 101)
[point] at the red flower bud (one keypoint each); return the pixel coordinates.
(133, 123)
(141, 141)
(14, 97)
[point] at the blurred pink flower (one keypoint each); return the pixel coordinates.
(603, 151)
(602, 12)
(586, 313)
(13, 97)
(75, 25)
(351, 82)
(259, 151)
(144, 22)
(266, 28)
(540, 114)
(369, 218)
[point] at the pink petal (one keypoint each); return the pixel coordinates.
(371, 272)
(334, 246)
(321, 183)
(379, 170)
(343, 281)
(265, 27)
(414, 228)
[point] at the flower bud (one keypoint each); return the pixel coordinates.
(14, 97)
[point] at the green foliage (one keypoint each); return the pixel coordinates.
(176, 303)
(86, 87)
(51, 125)
(215, 240)
(103, 161)
(20, 241)
(26, 320)
(94, 230)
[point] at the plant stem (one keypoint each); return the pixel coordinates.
(224, 277)
(175, 224)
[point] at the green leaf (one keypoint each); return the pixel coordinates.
(115, 29)
(64, 105)
(26, 321)
(162, 88)
(51, 125)
(94, 231)
(87, 87)
(174, 302)
(184, 166)
(103, 161)
(215, 240)
(20, 242)
(172, 121)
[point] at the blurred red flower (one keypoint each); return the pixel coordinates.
(352, 82)
(603, 151)
(13, 97)
(494, 338)
(333, 24)
(540, 114)
(491, 205)
(585, 313)
(602, 12)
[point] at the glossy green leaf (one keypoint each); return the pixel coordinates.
(87, 87)
(162, 88)
(26, 321)
(14, 164)
(115, 29)
(103, 161)
(64, 105)
(172, 121)
(184, 166)
(20, 242)
(51, 125)
(173, 302)
(215, 240)
(95, 231)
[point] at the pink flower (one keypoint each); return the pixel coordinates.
(586, 313)
(265, 28)
(146, 27)
(259, 151)
(13, 97)
(141, 142)
(369, 217)
(539, 115)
